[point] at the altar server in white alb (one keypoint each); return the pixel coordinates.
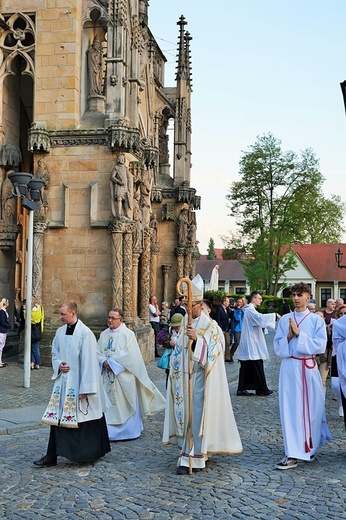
(131, 394)
(300, 336)
(76, 408)
(214, 429)
(253, 349)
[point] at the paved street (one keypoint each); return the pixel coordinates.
(138, 480)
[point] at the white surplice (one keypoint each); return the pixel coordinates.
(252, 344)
(80, 352)
(213, 424)
(301, 394)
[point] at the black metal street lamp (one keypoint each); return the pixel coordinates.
(338, 259)
(28, 188)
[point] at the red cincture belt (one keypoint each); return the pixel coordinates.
(306, 403)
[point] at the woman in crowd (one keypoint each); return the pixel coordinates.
(334, 379)
(37, 319)
(4, 327)
(164, 318)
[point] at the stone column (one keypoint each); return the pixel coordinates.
(179, 251)
(39, 229)
(194, 256)
(187, 264)
(117, 228)
(127, 274)
(154, 249)
(144, 287)
(135, 262)
(165, 270)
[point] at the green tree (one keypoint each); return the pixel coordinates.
(280, 201)
(211, 250)
(198, 253)
(234, 248)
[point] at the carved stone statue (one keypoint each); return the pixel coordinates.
(154, 227)
(42, 171)
(94, 54)
(145, 187)
(192, 234)
(8, 201)
(163, 144)
(137, 217)
(183, 226)
(120, 184)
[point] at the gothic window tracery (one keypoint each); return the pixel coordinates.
(18, 40)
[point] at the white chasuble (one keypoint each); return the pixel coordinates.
(215, 429)
(127, 385)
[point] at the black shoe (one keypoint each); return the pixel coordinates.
(184, 470)
(244, 392)
(45, 461)
(268, 392)
(229, 360)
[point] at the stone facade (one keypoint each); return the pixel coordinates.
(83, 105)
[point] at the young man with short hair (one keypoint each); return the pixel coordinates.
(253, 348)
(300, 336)
(75, 412)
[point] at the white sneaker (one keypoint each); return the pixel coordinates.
(341, 411)
(287, 463)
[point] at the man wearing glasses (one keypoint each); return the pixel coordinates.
(213, 428)
(131, 394)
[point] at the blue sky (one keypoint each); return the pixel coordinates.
(258, 66)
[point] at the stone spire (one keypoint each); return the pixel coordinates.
(182, 120)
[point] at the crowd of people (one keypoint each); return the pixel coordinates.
(37, 325)
(102, 391)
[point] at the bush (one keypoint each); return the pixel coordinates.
(214, 295)
(269, 303)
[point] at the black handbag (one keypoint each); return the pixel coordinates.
(36, 332)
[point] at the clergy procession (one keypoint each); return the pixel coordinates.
(218, 423)
(102, 392)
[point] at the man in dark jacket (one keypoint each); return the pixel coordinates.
(223, 318)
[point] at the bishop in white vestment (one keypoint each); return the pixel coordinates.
(214, 429)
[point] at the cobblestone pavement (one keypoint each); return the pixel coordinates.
(137, 480)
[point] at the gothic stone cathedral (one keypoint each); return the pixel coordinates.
(84, 107)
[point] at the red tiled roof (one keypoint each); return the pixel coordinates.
(228, 269)
(320, 261)
(218, 254)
